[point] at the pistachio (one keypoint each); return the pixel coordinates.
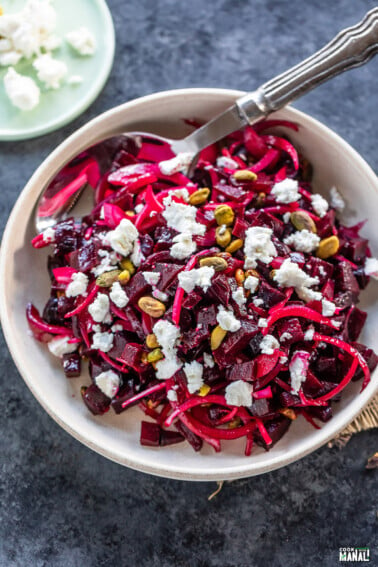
(219, 264)
(143, 357)
(328, 247)
(224, 255)
(127, 264)
(151, 341)
(272, 273)
(245, 175)
(288, 412)
(107, 279)
(234, 423)
(130, 213)
(224, 215)
(260, 199)
(204, 390)
(155, 355)
(253, 273)
(223, 236)
(124, 277)
(302, 221)
(151, 306)
(239, 276)
(217, 336)
(235, 245)
(199, 197)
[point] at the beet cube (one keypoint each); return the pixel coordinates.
(95, 400)
(131, 355)
(244, 371)
(290, 331)
(170, 437)
(150, 434)
(276, 429)
(71, 365)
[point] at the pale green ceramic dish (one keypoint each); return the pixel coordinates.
(59, 107)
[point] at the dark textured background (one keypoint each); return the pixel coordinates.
(64, 506)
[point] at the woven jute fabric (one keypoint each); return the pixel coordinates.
(368, 419)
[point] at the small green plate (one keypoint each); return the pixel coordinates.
(58, 107)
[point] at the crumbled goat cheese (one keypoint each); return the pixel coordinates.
(208, 360)
(197, 277)
(258, 246)
(239, 393)
(298, 368)
(60, 346)
(258, 301)
(139, 208)
(286, 217)
(118, 295)
(96, 328)
(137, 256)
(283, 359)
(108, 382)
(172, 396)
(109, 262)
(22, 91)
(167, 336)
(222, 229)
(328, 308)
(116, 328)
(319, 204)
(262, 322)
(289, 274)
(102, 341)
(239, 297)
(122, 238)
(75, 80)
(50, 71)
(182, 218)
(99, 308)
(322, 271)
(228, 163)
(193, 372)
(309, 334)
(269, 344)
(160, 295)
(227, 320)
(286, 191)
(371, 267)
(78, 285)
(151, 278)
(303, 241)
(48, 235)
(181, 162)
(286, 336)
(183, 247)
(181, 193)
(337, 202)
(82, 41)
(167, 367)
(28, 31)
(251, 283)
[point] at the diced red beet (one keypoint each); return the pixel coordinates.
(195, 441)
(137, 287)
(240, 228)
(326, 224)
(191, 300)
(131, 355)
(231, 192)
(84, 258)
(290, 327)
(320, 269)
(312, 386)
(95, 400)
(355, 249)
(168, 273)
(369, 356)
(276, 429)
(150, 434)
(192, 339)
(354, 322)
(361, 277)
(67, 236)
(207, 316)
(220, 289)
(264, 363)
(328, 290)
(269, 294)
(170, 437)
(345, 279)
(244, 371)
(71, 365)
(234, 343)
(146, 244)
(126, 392)
(261, 218)
(326, 367)
(322, 413)
(261, 408)
(120, 341)
(163, 238)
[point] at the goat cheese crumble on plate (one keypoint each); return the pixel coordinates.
(52, 66)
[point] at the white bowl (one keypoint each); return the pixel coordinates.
(23, 278)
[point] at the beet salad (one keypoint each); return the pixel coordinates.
(224, 305)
